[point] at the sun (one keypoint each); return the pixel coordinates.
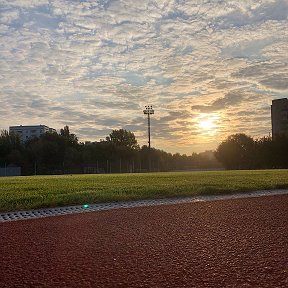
(207, 124)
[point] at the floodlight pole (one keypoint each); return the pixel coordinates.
(149, 111)
(149, 136)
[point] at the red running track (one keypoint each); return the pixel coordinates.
(229, 243)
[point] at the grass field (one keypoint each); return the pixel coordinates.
(19, 193)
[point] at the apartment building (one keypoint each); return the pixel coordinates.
(279, 117)
(29, 132)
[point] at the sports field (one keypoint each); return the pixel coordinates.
(19, 193)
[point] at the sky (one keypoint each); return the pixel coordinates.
(209, 68)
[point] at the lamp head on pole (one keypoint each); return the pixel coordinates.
(148, 110)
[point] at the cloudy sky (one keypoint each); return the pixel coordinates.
(210, 68)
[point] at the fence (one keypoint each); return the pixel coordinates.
(10, 171)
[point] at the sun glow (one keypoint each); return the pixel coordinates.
(208, 123)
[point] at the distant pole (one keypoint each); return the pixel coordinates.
(149, 111)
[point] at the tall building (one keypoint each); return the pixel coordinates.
(279, 117)
(29, 132)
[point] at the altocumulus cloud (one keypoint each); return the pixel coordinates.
(94, 65)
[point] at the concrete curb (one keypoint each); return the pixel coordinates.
(47, 212)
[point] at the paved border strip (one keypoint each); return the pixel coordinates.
(47, 212)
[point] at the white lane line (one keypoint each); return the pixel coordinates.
(48, 212)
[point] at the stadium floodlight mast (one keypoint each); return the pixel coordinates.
(148, 111)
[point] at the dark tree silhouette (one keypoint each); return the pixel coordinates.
(54, 153)
(9, 144)
(71, 138)
(123, 138)
(236, 152)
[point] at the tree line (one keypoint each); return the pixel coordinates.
(62, 153)
(240, 151)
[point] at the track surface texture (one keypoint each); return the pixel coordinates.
(227, 243)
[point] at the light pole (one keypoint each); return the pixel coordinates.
(149, 111)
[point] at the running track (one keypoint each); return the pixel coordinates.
(227, 243)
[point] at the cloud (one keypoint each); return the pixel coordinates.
(276, 81)
(246, 14)
(271, 75)
(95, 64)
(230, 99)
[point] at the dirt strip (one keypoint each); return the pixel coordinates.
(229, 243)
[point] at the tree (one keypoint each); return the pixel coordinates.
(123, 138)
(71, 138)
(265, 153)
(9, 143)
(236, 152)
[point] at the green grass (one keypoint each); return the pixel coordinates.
(18, 193)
